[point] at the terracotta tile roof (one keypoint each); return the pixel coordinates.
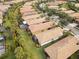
(26, 9)
(1, 15)
(55, 3)
(35, 21)
(4, 8)
(69, 11)
(77, 4)
(30, 13)
(75, 15)
(49, 35)
(62, 42)
(63, 48)
(41, 26)
(31, 17)
(54, 7)
(28, 3)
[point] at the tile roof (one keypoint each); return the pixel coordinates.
(62, 49)
(4, 8)
(55, 3)
(41, 26)
(35, 21)
(31, 17)
(26, 9)
(75, 15)
(77, 4)
(49, 35)
(29, 13)
(29, 3)
(54, 7)
(69, 11)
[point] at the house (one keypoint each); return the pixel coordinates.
(63, 48)
(77, 5)
(30, 13)
(49, 35)
(4, 8)
(54, 7)
(68, 11)
(9, 3)
(28, 3)
(35, 21)
(55, 3)
(26, 9)
(75, 15)
(31, 17)
(41, 27)
(27, 12)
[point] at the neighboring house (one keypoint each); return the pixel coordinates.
(31, 17)
(63, 48)
(36, 21)
(54, 3)
(69, 11)
(49, 35)
(41, 27)
(4, 8)
(77, 5)
(26, 9)
(53, 7)
(28, 3)
(30, 13)
(76, 16)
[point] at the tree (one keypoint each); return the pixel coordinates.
(20, 53)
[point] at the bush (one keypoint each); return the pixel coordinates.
(20, 53)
